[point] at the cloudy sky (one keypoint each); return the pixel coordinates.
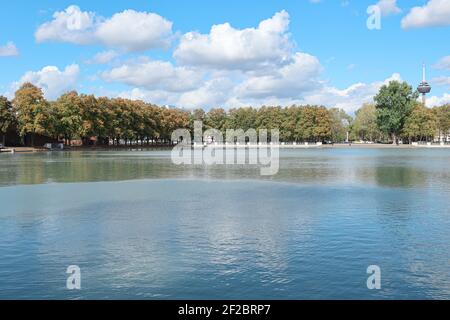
(227, 53)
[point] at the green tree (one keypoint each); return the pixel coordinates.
(443, 120)
(94, 116)
(269, 118)
(421, 124)
(340, 124)
(173, 119)
(242, 118)
(114, 122)
(7, 119)
(314, 124)
(394, 104)
(54, 126)
(147, 114)
(68, 108)
(304, 130)
(31, 109)
(322, 125)
(290, 118)
(365, 127)
(216, 119)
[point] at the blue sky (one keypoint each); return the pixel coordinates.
(306, 51)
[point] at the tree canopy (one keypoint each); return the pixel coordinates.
(101, 120)
(421, 124)
(442, 114)
(365, 126)
(394, 103)
(32, 111)
(6, 115)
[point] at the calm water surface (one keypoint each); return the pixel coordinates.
(140, 227)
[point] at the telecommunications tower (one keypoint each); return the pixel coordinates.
(424, 87)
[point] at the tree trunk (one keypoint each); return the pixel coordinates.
(395, 139)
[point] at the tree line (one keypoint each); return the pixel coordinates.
(394, 114)
(397, 114)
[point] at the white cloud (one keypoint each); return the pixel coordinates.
(128, 30)
(231, 68)
(227, 67)
(224, 92)
(160, 97)
(351, 98)
(195, 87)
(435, 101)
(388, 7)
(71, 25)
(103, 57)
(228, 48)
(252, 64)
(292, 80)
(443, 64)
(153, 75)
(9, 50)
(53, 81)
(135, 31)
(434, 13)
(213, 93)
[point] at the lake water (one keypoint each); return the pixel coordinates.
(140, 227)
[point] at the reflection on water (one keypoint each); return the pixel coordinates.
(383, 167)
(226, 232)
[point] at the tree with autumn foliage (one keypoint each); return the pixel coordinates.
(420, 125)
(442, 114)
(171, 120)
(68, 109)
(32, 111)
(120, 121)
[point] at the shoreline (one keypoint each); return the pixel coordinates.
(293, 147)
